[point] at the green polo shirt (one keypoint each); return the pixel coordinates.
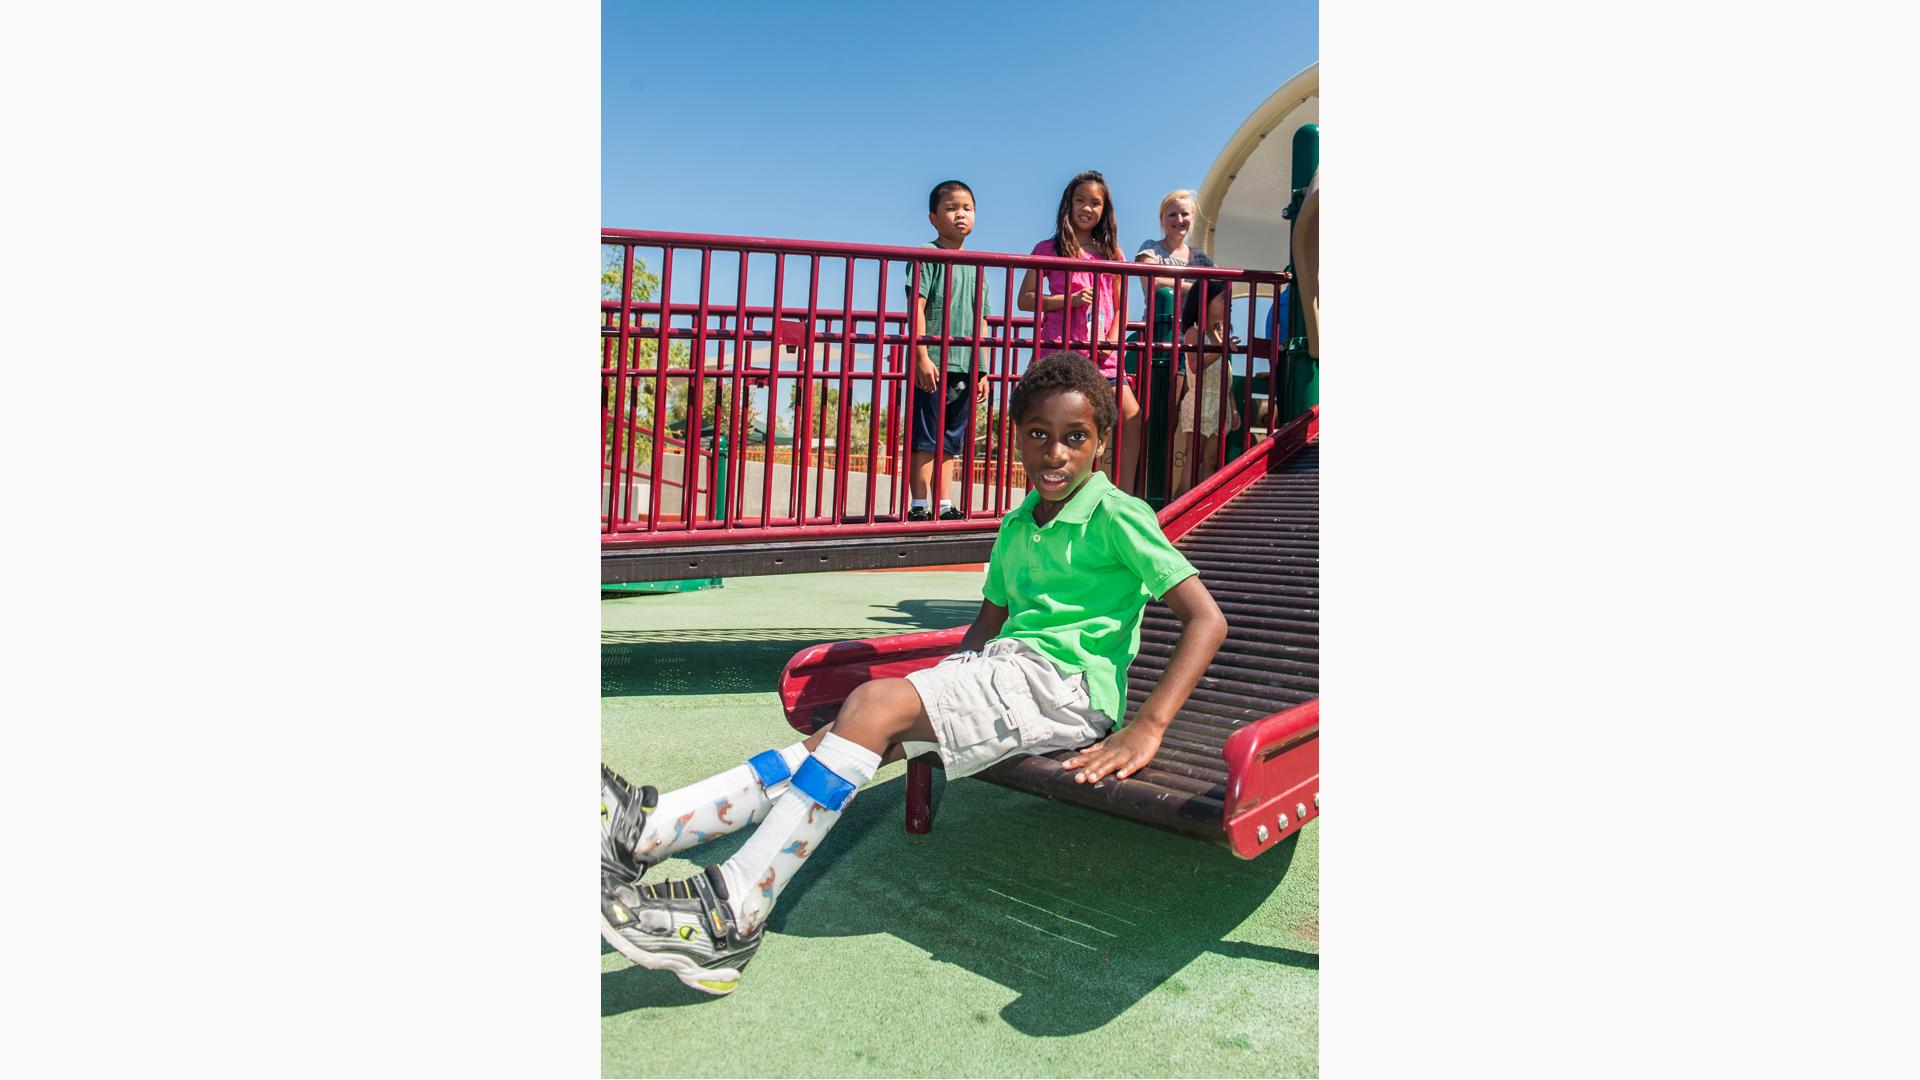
(1074, 588)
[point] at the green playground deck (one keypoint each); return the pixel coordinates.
(1022, 937)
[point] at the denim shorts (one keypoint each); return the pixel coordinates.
(1006, 699)
(927, 414)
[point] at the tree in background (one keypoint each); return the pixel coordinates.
(636, 420)
(827, 396)
(860, 427)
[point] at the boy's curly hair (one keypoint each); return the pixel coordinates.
(1059, 371)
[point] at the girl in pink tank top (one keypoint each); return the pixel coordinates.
(1076, 302)
(1080, 311)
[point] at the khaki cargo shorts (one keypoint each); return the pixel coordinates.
(1004, 700)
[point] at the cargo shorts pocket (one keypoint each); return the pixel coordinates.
(1078, 697)
(1021, 711)
(970, 711)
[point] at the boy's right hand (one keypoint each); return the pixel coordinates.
(1119, 755)
(925, 375)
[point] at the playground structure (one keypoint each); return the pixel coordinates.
(769, 437)
(690, 487)
(709, 345)
(1247, 196)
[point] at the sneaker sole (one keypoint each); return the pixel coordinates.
(716, 981)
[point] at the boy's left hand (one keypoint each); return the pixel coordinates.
(1121, 754)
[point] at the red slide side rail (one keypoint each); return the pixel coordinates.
(1179, 517)
(1273, 779)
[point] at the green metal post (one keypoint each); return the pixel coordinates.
(724, 468)
(1159, 382)
(1300, 383)
(1156, 359)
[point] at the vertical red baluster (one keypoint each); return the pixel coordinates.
(843, 439)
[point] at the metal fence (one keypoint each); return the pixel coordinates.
(755, 387)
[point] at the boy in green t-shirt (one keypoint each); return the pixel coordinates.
(945, 299)
(1042, 668)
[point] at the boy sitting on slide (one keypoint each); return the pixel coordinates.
(1042, 668)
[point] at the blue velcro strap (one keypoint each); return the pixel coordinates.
(769, 767)
(821, 784)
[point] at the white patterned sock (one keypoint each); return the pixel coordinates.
(712, 808)
(766, 863)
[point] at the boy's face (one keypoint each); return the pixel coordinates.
(954, 218)
(1058, 443)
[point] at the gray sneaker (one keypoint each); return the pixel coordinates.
(680, 926)
(623, 817)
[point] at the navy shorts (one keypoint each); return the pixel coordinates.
(954, 420)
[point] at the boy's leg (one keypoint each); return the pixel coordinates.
(926, 413)
(876, 717)
(705, 929)
(954, 422)
(894, 753)
(920, 476)
(637, 836)
(947, 492)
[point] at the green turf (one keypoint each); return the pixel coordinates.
(1022, 937)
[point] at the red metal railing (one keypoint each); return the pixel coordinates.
(722, 350)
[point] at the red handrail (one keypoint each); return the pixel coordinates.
(849, 363)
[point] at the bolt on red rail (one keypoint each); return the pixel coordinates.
(761, 388)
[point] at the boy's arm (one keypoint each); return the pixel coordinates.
(1202, 629)
(925, 375)
(985, 625)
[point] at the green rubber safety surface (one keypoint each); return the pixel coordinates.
(1022, 937)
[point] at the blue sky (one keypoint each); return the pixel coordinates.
(831, 121)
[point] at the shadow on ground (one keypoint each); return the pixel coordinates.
(931, 614)
(688, 662)
(732, 660)
(1081, 914)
